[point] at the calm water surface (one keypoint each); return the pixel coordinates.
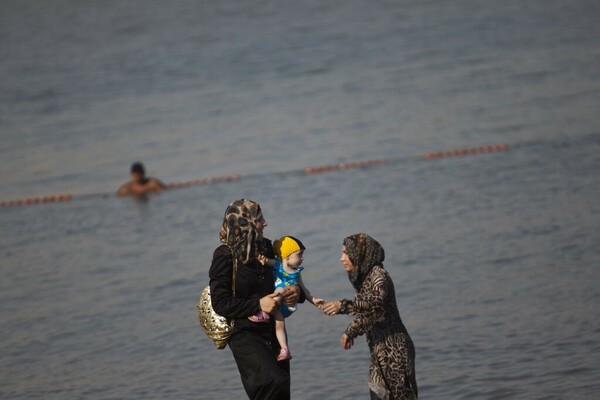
(494, 257)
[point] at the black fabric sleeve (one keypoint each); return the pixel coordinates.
(223, 302)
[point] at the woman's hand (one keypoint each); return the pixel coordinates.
(265, 261)
(347, 342)
(270, 302)
(262, 259)
(291, 295)
(332, 308)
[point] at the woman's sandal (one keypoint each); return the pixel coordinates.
(260, 317)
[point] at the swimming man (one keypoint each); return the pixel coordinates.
(140, 183)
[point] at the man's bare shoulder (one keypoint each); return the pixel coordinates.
(155, 184)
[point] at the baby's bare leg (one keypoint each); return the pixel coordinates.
(280, 329)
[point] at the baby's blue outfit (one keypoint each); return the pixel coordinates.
(284, 279)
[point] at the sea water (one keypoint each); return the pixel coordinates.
(494, 257)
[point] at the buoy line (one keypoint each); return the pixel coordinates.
(466, 151)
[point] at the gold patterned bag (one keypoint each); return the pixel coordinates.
(216, 327)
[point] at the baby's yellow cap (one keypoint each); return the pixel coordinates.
(287, 245)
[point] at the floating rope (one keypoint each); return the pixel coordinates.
(205, 181)
(234, 178)
(342, 166)
(37, 200)
(466, 151)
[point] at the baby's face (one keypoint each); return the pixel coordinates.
(294, 260)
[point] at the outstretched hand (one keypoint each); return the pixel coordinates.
(332, 307)
(319, 303)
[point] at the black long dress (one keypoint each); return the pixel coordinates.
(254, 345)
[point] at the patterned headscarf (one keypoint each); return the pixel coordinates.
(364, 253)
(239, 230)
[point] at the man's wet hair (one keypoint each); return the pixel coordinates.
(138, 167)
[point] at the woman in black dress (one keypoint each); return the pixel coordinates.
(254, 345)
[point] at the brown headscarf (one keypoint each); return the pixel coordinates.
(239, 230)
(364, 252)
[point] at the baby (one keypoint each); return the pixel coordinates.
(289, 253)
